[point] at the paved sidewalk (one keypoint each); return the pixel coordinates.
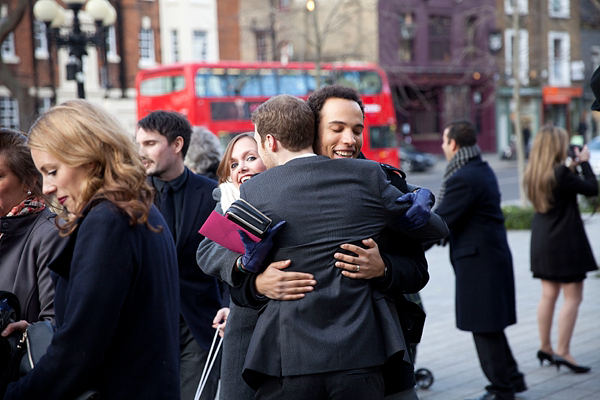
(450, 354)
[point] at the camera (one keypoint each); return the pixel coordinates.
(571, 150)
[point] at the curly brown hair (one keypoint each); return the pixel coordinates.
(79, 133)
(317, 100)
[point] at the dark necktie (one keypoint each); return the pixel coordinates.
(167, 207)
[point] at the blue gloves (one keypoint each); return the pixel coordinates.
(419, 212)
(256, 252)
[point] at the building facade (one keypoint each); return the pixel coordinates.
(590, 53)
(438, 59)
(188, 30)
(286, 30)
(228, 29)
(551, 69)
(109, 71)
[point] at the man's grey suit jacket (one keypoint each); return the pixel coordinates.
(344, 324)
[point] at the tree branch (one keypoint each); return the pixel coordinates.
(13, 19)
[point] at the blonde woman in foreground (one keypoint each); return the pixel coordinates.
(117, 288)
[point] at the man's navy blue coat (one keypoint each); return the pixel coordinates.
(200, 294)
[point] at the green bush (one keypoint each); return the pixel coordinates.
(516, 217)
(587, 204)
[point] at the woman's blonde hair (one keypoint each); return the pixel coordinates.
(548, 151)
(81, 133)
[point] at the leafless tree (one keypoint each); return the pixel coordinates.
(19, 90)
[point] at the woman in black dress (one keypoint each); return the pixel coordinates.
(560, 252)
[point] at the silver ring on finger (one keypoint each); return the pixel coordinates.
(358, 268)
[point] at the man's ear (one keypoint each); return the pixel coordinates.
(271, 143)
(453, 145)
(177, 144)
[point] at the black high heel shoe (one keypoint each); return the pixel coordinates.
(542, 355)
(578, 369)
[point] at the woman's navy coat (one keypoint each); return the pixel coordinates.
(117, 314)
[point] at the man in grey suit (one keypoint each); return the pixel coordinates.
(331, 343)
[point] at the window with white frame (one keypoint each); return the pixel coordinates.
(40, 39)
(8, 45)
(199, 46)
(523, 48)
(44, 104)
(9, 113)
(174, 46)
(559, 8)
(559, 58)
(8, 49)
(509, 6)
(146, 42)
(111, 45)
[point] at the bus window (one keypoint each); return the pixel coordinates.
(211, 82)
(326, 79)
(292, 82)
(382, 137)
(248, 83)
(268, 82)
(227, 110)
(366, 82)
(370, 82)
(162, 85)
(349, 78)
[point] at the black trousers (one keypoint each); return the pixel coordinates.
(192, 361)
(498, 364)
(356, 384)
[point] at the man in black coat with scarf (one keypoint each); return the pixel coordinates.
(185, 201)
(469, 202)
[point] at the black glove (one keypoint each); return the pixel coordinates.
(419, 212)
(256, 252)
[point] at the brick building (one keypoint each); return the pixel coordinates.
(551, 69)
(440, 66)
(228, 29)
(132, 43)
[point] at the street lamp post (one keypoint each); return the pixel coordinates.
(76, 40)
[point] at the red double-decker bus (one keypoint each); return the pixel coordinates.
(222, 95)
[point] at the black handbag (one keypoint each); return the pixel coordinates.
(33, 344)
(248, 217)
(23, 351)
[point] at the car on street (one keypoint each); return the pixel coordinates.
(594, 147)
(412, 160)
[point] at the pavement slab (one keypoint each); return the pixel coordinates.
(450, 353)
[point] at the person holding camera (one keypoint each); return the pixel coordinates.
(560, 251)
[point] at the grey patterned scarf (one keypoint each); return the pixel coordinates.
(462, 156)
